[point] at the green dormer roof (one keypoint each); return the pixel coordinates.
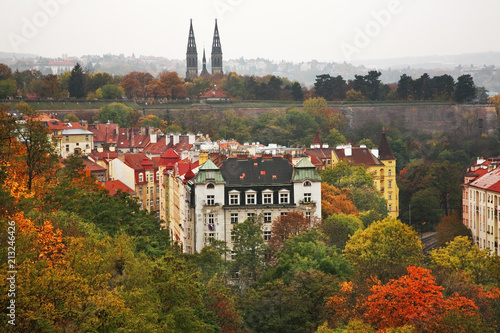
(303, 170)
(209, 172)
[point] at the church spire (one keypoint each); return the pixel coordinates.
(204, 71)
(385, 152)
(216, 52)
(191, 55)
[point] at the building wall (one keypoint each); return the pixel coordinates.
(481, 217)
(385, 182)
(71, 142)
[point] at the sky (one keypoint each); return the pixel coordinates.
(290, 30)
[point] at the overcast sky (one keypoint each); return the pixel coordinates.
(293, 30)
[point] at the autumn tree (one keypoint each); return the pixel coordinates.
(384, 249)
(450, 227)
(173, 86)
(289, 225)
(134, 84)
(153, 121)
(413, 299)
(335, 201)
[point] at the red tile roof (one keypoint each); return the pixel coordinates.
(214, 93)
(359, 156)
(489, 181)
(113, 186)
(105, 133)
(92, 166)
(105, 155)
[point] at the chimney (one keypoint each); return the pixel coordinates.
(100, 149)
(111, 148)
(348, 150)
(152, 137)
(85, 125)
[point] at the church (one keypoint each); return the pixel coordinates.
(192, 55)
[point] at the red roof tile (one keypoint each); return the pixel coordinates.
(113, 186)
(92, 166)
(214, 93)
(359, 156)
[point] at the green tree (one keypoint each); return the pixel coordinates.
(384, 249)
(76, 84)
(71, 117)
(308, 251)
(465, 90)
(118, 113)
(39, 151)
(354, 95)
(450, 227)
(338, 228)
(250, 249)
(7, 88)
(112, 91)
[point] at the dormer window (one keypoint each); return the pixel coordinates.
(284, 196)
(234, 198)
(307, 183)
(141, 177)
(251, 197)
(267, 197)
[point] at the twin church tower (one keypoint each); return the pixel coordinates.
(192, 55)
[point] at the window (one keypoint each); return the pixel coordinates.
(234, 199)
(284, 198)
(67, 138)
(390, 208)
(157, 201)
(67, 147)
(307, 197)
(157, 188)
(210, 174)
(390, 196)
(389, 184)
(308, 215)
(210, 200)
(233, 236)
(151, 202)
(86, 138)
(234, 217)
(147, 190)
(307, 183)
(151, 177)
(141, 177)
(157, 175)
(151, 189)
(140, 203)
(210, 186)
(250, 215)
(211, 237)
(147, 202)
(267, 198)
(211, 219)
(284, 213)
(251, 198)
(267, 235)
(140, 190)
(389, 172)
(267, 217)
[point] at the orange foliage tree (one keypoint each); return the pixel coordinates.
(414, 299)
(336, 201)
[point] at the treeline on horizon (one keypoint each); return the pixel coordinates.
(79, 83)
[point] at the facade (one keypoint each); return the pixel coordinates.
(481, 203)
(243, 188)
(141, 174)
(68, 138)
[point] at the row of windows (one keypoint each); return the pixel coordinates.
(149, 190)
(87, 146)
(149, 203)
(151, 177)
